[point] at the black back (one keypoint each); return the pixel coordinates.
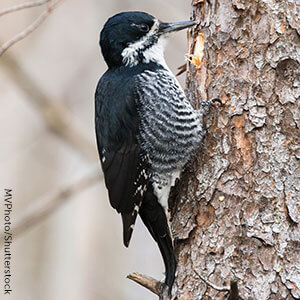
(117, 127)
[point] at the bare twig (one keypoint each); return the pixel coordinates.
(181, 69)
(22, 6)
(56, 116)
(218, 288)
(149, 283)
(21, 35)
(54, 202)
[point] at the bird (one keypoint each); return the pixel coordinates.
(146, 129)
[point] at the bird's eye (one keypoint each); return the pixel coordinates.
(144, 27)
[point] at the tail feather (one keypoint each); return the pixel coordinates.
(154, 217)
(128, 221)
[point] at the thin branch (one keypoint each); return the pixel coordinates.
(218, 288)
(58, 118)
(22, 6)
(46, 209)
(181, 69)
(149, 283)
(20, 36)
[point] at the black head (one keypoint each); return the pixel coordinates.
(129, 38)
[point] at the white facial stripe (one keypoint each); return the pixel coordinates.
(154, 53)
(155, 26)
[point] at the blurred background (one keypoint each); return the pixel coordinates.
(47, 84)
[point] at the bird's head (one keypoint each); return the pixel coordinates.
(130, 38)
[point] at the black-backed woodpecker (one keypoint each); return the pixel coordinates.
(146, 128)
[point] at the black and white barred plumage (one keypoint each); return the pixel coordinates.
(146, 129)
(170, 129)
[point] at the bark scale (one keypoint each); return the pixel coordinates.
(236, 210)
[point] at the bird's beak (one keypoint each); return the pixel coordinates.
(170, 27)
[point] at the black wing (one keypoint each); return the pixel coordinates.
(116, 123)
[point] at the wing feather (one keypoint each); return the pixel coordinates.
(120, 154)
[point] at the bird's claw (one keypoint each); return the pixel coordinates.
(214, 100)
(206, 105)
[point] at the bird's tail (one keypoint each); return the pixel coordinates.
(128, 221)
(154, 217)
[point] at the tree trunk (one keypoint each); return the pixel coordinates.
(236, 211)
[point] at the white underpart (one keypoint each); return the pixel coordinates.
(163, 193)
(154, 53)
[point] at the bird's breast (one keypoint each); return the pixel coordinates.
(170, 129)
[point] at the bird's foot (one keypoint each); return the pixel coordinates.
(206, 105)
(165, 291)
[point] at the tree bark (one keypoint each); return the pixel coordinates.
(236, 210)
